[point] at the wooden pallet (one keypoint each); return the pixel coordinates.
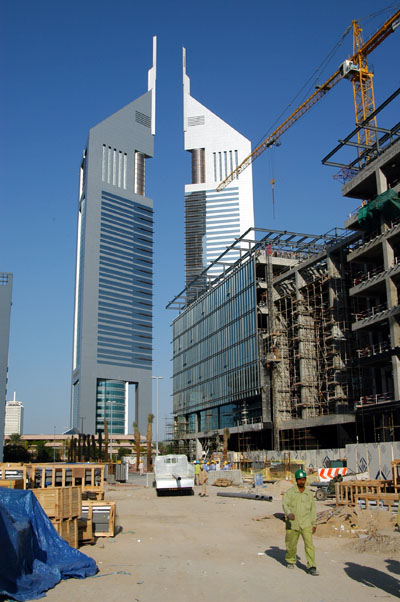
(347, 492)
(385, 501)
(68, 530)
(60, 502)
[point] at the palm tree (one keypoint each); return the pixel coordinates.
(137, 444)
(15, 439)
(226, 438)
(149, 438)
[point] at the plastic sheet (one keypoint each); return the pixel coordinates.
(33, 557)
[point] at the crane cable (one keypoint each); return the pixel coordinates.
(318, 70)
(309, 84)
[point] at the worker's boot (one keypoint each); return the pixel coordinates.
(312, 571)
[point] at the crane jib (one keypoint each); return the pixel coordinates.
(387, 28)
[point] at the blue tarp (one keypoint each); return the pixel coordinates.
(33, 557)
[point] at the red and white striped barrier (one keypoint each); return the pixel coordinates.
(326, 474)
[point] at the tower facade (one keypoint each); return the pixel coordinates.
(213, 220)
(14, 419)
(112, 343)
(5, 313)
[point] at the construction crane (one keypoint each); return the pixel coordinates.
(354, 69)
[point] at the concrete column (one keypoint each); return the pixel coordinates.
(307, 352)
(381, 182)
(396, 376)
(392, 301)
(388, 254)
(337, 329)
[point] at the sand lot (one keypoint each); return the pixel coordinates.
(185, 548)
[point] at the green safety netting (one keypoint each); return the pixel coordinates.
(387, 203)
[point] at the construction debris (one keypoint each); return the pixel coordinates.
(353, 522)
(221, 482)
(378, 542)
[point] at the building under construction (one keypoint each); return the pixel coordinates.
(297, 345)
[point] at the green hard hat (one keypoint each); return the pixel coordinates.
(300, 474)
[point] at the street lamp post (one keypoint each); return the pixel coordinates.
(157, 378)
(111, 427)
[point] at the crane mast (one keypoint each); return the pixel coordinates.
(354, 69)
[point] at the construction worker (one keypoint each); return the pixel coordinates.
(299, 508)
(197, 471)
(203, 481)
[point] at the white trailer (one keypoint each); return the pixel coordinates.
(173, 473)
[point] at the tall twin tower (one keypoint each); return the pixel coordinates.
(112, 342)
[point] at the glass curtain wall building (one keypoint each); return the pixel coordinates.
(213, 220)
(215, 358)
(264, 350)
(112, 346)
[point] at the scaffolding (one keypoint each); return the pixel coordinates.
(306, 346)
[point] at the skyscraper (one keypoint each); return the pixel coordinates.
(14, 419)
(213, 220)
(5, 313)
(112, 349)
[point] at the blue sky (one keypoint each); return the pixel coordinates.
(65, 66)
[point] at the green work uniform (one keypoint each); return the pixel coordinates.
(302, 505)
(197, 471)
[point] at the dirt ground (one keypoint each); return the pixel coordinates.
(184, 548)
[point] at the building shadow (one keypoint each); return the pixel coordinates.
(373, 578)
(393, 566)
(278, 554)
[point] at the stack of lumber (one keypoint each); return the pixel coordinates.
(63, 505)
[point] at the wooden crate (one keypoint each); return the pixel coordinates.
(60, 502)
(385, 501)
(14, 471)
(90, 477)
(85, 531)
(12, 484)
(92, 509)
(347, 492)
(68, 530)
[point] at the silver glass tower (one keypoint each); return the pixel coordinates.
(5, 313)
(112, 348)
(213, 220)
